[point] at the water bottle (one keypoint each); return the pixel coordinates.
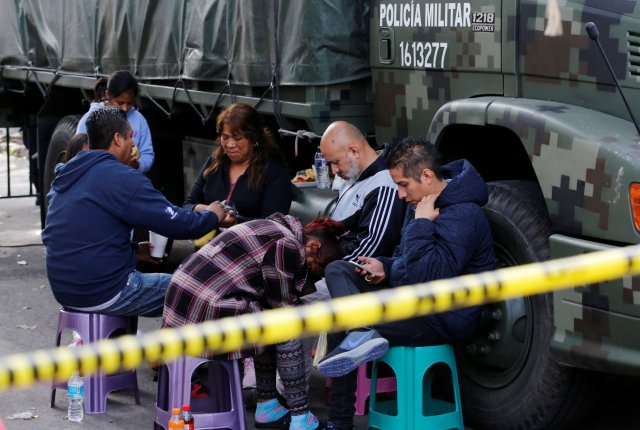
(322, 171)
(187, 417)
(176, 422)
(75, 393)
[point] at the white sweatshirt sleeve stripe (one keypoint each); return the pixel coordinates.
(378, 224)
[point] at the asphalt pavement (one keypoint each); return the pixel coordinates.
(28, 317)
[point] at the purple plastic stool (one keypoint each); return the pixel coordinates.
(222, 408)
(93, 327)
(363, 389)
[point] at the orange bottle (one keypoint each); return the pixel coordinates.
(176, 422)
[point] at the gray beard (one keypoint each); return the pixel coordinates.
(354, 173)
(351, 181)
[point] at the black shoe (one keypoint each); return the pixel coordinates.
(357, 348)
(332, 426)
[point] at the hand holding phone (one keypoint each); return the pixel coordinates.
(361, 267)
(228, 206)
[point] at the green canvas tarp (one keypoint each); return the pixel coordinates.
(315, 41)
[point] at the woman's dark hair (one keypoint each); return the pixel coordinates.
(99, 89)
(122, 81)
(329, 232)
(243, 119)
(75, 145)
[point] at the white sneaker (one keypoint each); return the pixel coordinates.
(249, 379)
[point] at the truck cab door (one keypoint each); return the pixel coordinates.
(424, 54)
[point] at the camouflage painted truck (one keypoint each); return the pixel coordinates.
(539, 117)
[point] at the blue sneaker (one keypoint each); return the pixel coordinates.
(272, 415)
(306, 421)
(357, 348)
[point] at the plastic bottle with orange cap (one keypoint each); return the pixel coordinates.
(176, 421)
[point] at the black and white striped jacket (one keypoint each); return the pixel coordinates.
(371, 211)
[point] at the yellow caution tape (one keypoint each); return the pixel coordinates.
(278, 325)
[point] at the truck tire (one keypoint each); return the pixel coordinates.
(509, 377)
(64, 131)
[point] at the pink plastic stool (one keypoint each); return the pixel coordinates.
(222, 408)
(93, 327)
(385, 385)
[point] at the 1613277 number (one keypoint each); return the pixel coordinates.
(423, 54)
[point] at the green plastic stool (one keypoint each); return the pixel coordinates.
(414, 407)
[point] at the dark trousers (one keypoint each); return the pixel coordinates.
(342, 280)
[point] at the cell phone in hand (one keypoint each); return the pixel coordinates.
(228, 206)
(361, 266)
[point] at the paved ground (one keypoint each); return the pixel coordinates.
(28, 315)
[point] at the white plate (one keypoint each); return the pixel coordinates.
(305, 184)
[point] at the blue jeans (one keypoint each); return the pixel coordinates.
(143, 296)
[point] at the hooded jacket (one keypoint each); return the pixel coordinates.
(94, 202)
(457, 242)
(274, 194)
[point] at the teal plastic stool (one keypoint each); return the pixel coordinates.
(414, 407)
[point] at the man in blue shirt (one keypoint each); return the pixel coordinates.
(94, 202)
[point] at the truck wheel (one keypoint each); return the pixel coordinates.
(64, 131)
(509, 377)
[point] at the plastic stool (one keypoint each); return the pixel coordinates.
(93, 327)
(224, 406)
(363, 389)
(414, 407)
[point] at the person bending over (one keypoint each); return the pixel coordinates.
(260, 264)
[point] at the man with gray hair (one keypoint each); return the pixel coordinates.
(94, 202)
(368, 203)
(369, 206)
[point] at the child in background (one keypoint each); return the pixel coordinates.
(79, 142)
(122, 91)
(99, 91)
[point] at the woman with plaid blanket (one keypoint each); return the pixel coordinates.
(261, 264)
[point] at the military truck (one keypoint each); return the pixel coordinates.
(540, 118)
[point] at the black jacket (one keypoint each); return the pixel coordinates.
(273, 196)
